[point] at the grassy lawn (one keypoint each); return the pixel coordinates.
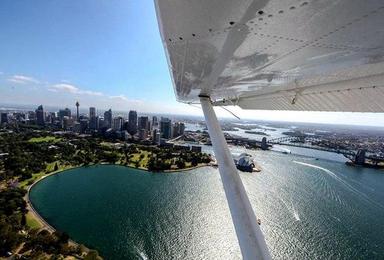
(32, 222)
(50, 139)
(37, 176)
(143, 162)
(107, 144)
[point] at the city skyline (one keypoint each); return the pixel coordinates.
(106, 124)
(104, 55)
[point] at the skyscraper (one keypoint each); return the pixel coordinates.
(92, 112)
(166, 128)
(143, 123)
(132, 122)
(108, 118)
(64, 112)
(40, 116)
(93, 122)
(143, 126)
(178, 129)
(4, 118)
(117, 123)
(154, 122)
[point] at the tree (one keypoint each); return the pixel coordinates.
(180, 163)
(56, 167)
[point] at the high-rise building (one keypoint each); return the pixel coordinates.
(156, 136)
(166, 128)
(64, 112)
(154, 122)
(143, 134)
(4, 118)
(93, 120)
(83, 125)
(101, 123)
(178, 129)
(108, 118)
(117, 123)
(132, 122)
(40, 116)
(67, 123)
(92, 112)
(143, 123)
(50, 118)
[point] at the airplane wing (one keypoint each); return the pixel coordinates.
(277, 55)
(309, 55)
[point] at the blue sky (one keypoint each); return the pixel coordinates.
(103, 53)
(110, 46)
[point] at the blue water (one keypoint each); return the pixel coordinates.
(310, 209)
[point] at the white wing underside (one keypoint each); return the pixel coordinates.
(277, 55)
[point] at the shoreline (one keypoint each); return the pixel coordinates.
(45, 225)
(35, 214)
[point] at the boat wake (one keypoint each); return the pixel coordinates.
(141, 255)
(292, 209)
(350, 187)
(296, 215)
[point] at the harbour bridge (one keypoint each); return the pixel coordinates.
(357, 156)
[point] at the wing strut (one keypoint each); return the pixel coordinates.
(251, 239)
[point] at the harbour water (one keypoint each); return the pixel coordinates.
(309, 209)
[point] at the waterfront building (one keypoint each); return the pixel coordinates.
(132, 122)
(166, 128)
(196, 148)
(40, 116)
(178, 129)
(108, 118)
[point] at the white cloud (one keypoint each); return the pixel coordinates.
(119, 98)
(64, 88)
(21, 79)
(68, 88)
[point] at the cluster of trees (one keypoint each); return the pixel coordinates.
(24, 158)
(168, 157)
(12, 218)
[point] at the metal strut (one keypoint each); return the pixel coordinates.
(249, 235)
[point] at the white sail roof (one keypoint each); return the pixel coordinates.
(278, 55)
